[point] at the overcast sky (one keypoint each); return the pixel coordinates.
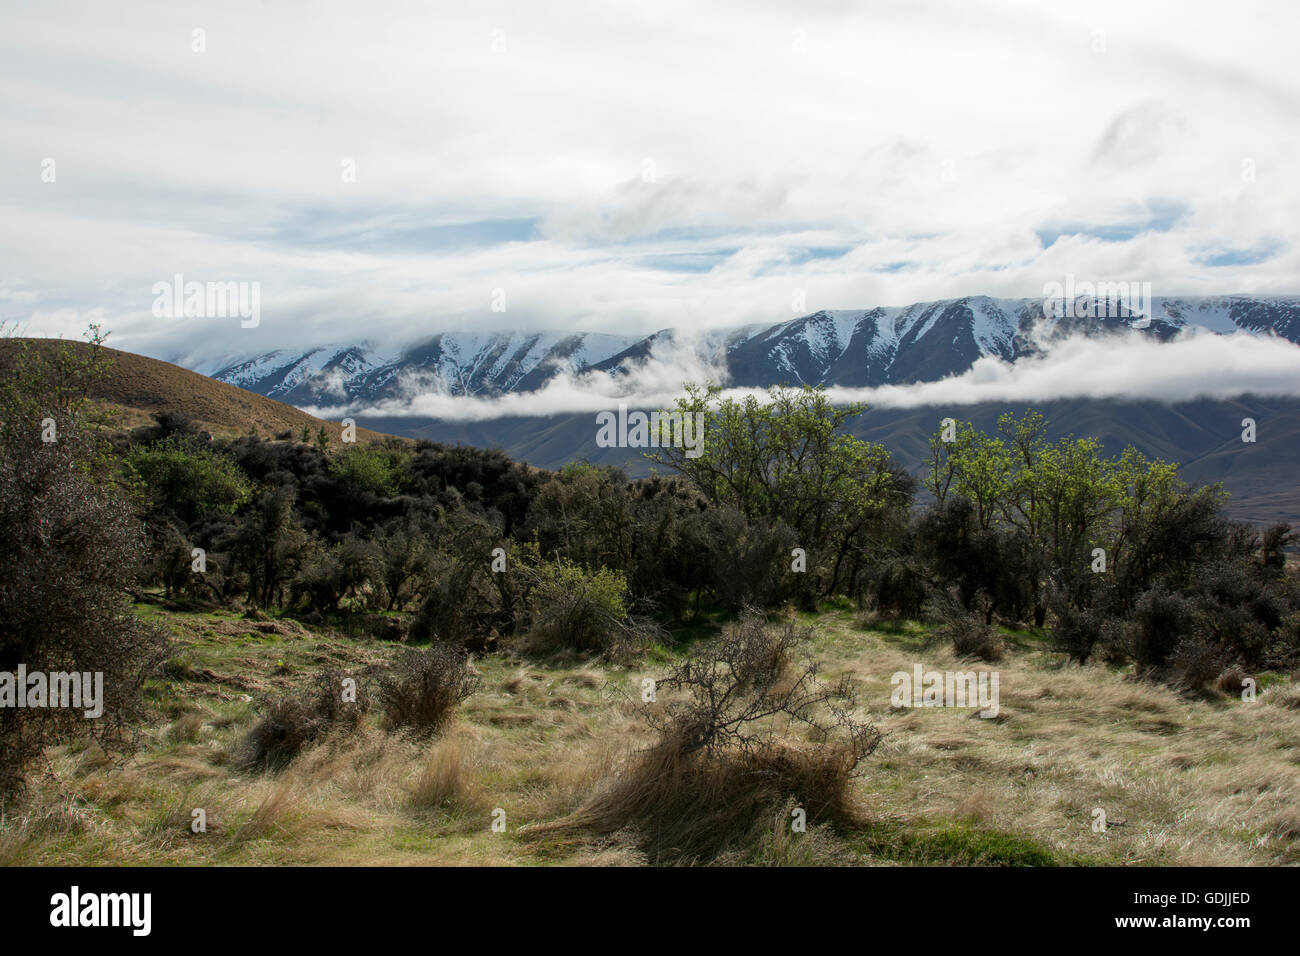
(626, 167)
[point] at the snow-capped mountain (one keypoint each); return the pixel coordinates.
(895, 345)
(450, 362)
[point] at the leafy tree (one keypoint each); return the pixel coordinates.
(789, 459)
(271, 546)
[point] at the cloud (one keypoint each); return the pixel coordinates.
(1132, 366)
(654, 381)
(1139, 135)
(946, 148)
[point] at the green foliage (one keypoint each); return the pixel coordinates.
(1061, 500)
(788, 459)
(188, 480)
(954, 842)
(576, 608)
(366, 468)
(650, 530)
(1131, 562)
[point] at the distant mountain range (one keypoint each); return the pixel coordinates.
(916, 343)
(866, 347)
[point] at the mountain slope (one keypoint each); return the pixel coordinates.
(134, 387)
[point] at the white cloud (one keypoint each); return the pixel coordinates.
(1133, 366)
(934, 139)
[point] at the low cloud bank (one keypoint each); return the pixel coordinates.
(1131, 366)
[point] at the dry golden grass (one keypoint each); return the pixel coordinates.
(134, 387)
(447, 779)
(1181, 781)
(1192, 782)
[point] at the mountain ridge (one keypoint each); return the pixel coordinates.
(921, 342)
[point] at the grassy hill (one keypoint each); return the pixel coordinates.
(134, 387)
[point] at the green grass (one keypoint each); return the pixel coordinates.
(946, 842)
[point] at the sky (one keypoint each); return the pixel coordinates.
(386, 170)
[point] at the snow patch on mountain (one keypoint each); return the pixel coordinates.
(831, 347)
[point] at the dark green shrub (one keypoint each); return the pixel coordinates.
(71, 551)
(1161, 621)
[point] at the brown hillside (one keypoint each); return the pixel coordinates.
(134, 387)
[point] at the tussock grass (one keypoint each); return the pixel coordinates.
(1209, 780)
(694, 807)
(448, 778)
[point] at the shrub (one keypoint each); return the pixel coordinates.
(573, 608)
(293, 721)
(350, 568)
(422, 688)
(366, 469)
(1161, 620)
(1085, 632)
(173, 565)
(748, 562)
(189, 480)
(376, 627)
(901, 589)
(971, 636)
(1283, 652)
(71, 550)
(405, 558)
(1194, 663)
(720, 770)
(464, 602)
(270, 546)
(1075, 631)
(1231, 681)
(319, 584)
